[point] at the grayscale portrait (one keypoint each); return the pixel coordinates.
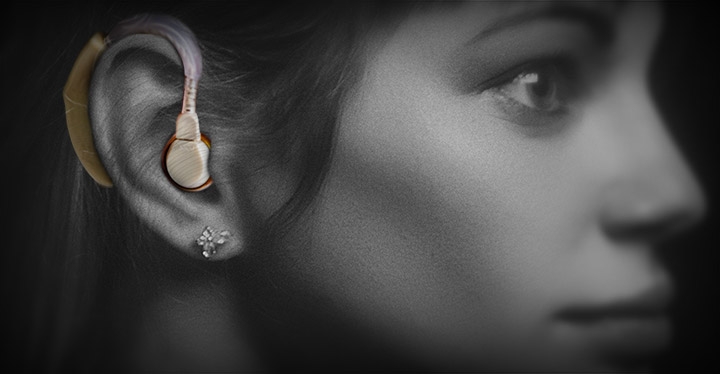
(432, 186)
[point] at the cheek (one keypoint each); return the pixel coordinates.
(435, 219)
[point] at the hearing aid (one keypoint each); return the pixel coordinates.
(184, 158)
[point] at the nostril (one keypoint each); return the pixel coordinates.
(652, 213)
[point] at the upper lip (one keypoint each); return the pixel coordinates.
(648, 304)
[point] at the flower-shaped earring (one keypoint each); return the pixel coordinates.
(210, 240)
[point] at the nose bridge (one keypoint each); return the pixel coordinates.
(652, 192)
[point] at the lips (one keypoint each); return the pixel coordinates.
(649, 304)
(625, 330)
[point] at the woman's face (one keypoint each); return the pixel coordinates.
(499, 180)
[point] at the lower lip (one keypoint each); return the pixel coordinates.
(624, 337)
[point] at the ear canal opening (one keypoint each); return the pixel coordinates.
(171, 172)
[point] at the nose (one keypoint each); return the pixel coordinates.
(653, 195)
(652, 207)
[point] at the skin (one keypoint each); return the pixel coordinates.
(488, 174)
(454, 226)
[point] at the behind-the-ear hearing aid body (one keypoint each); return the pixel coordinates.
(185, 156)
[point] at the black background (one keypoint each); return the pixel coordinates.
(40, 42)
(686, 82)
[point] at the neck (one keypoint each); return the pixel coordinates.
(193, 326)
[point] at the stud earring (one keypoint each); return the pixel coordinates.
(210, 240)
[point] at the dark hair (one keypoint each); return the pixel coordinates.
(274, 83)
(64, 284)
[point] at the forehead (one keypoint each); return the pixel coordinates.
(445, 26)
(489, 9)
(474, 16)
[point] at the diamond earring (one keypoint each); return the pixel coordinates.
(210, 240)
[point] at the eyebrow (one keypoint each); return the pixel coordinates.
(600, 23)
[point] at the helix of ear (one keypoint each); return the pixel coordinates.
(185, 156)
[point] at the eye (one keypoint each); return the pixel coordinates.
(542, 93)
(544, 88)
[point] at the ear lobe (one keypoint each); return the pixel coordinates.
(134, 100)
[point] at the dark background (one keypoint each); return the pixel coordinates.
(40, 42)
(686, 82)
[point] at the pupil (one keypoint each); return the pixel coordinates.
(541, 87)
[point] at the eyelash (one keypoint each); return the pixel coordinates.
(560, 71)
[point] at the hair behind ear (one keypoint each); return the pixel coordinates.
(56, 273)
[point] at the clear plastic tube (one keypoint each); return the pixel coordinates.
(179, 35)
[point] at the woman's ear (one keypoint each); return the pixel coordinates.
(135, 97)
